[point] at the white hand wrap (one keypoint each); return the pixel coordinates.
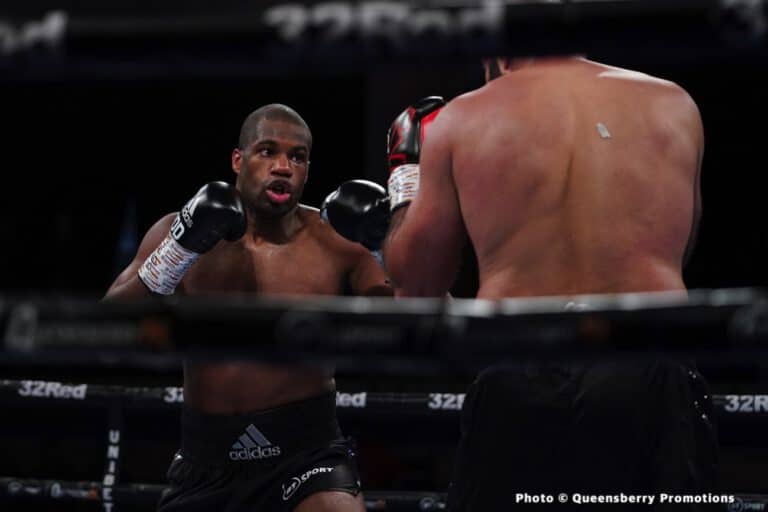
(166, 266)
(403, 184)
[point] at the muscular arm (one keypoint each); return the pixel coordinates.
(368, 278)
(423, 247)
(127, 285)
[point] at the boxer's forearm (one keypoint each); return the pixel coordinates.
(392, 250)
(130, 289)
(415, 267)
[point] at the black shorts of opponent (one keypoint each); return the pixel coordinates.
(266, 460)
(596, 428)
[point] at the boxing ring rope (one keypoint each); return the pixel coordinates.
(110, 493)
(727, 406)
(364, 335)
(385, 336)
(377, 336)
(359, 35)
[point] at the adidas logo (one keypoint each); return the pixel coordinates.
(252, 445)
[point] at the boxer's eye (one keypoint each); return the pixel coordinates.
(299, 159)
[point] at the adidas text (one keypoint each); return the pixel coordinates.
(256, 453)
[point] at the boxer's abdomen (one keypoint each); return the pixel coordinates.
(242, 386)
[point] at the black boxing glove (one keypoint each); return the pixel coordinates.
(404, 140)
(359, 211)
(214, 213)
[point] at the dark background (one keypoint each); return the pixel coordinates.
(94, 151)
(90, 163)
(91, 158)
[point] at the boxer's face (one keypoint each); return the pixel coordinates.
(272, 169)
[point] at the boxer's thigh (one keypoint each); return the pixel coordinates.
(331, 501)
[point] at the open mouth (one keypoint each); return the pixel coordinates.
(279, 191)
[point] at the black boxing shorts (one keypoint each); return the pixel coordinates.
(591, 428)
(266, 460)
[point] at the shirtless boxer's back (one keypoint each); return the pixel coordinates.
(259, 436)
(569, 177)
(599, 172)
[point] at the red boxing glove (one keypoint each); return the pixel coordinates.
(404, 140)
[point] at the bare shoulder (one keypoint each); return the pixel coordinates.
(326, 235)
(459, 111)
(466, 102)
(311, 217)
(660, 84)
(671, 95)
(509, 89)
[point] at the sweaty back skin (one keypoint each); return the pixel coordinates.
(587, 198)
(569, 177)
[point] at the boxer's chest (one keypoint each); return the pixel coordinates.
(301, 267)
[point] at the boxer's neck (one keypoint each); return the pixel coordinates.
(274, 228)
(526, 62)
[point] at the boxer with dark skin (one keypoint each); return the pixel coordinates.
(285, 250)
(568, 177)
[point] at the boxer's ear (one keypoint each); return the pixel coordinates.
(488, 69)
(494, 67)
(504, 64)
(237, 160)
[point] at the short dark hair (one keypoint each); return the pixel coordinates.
(274, 111)
(492, 69)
